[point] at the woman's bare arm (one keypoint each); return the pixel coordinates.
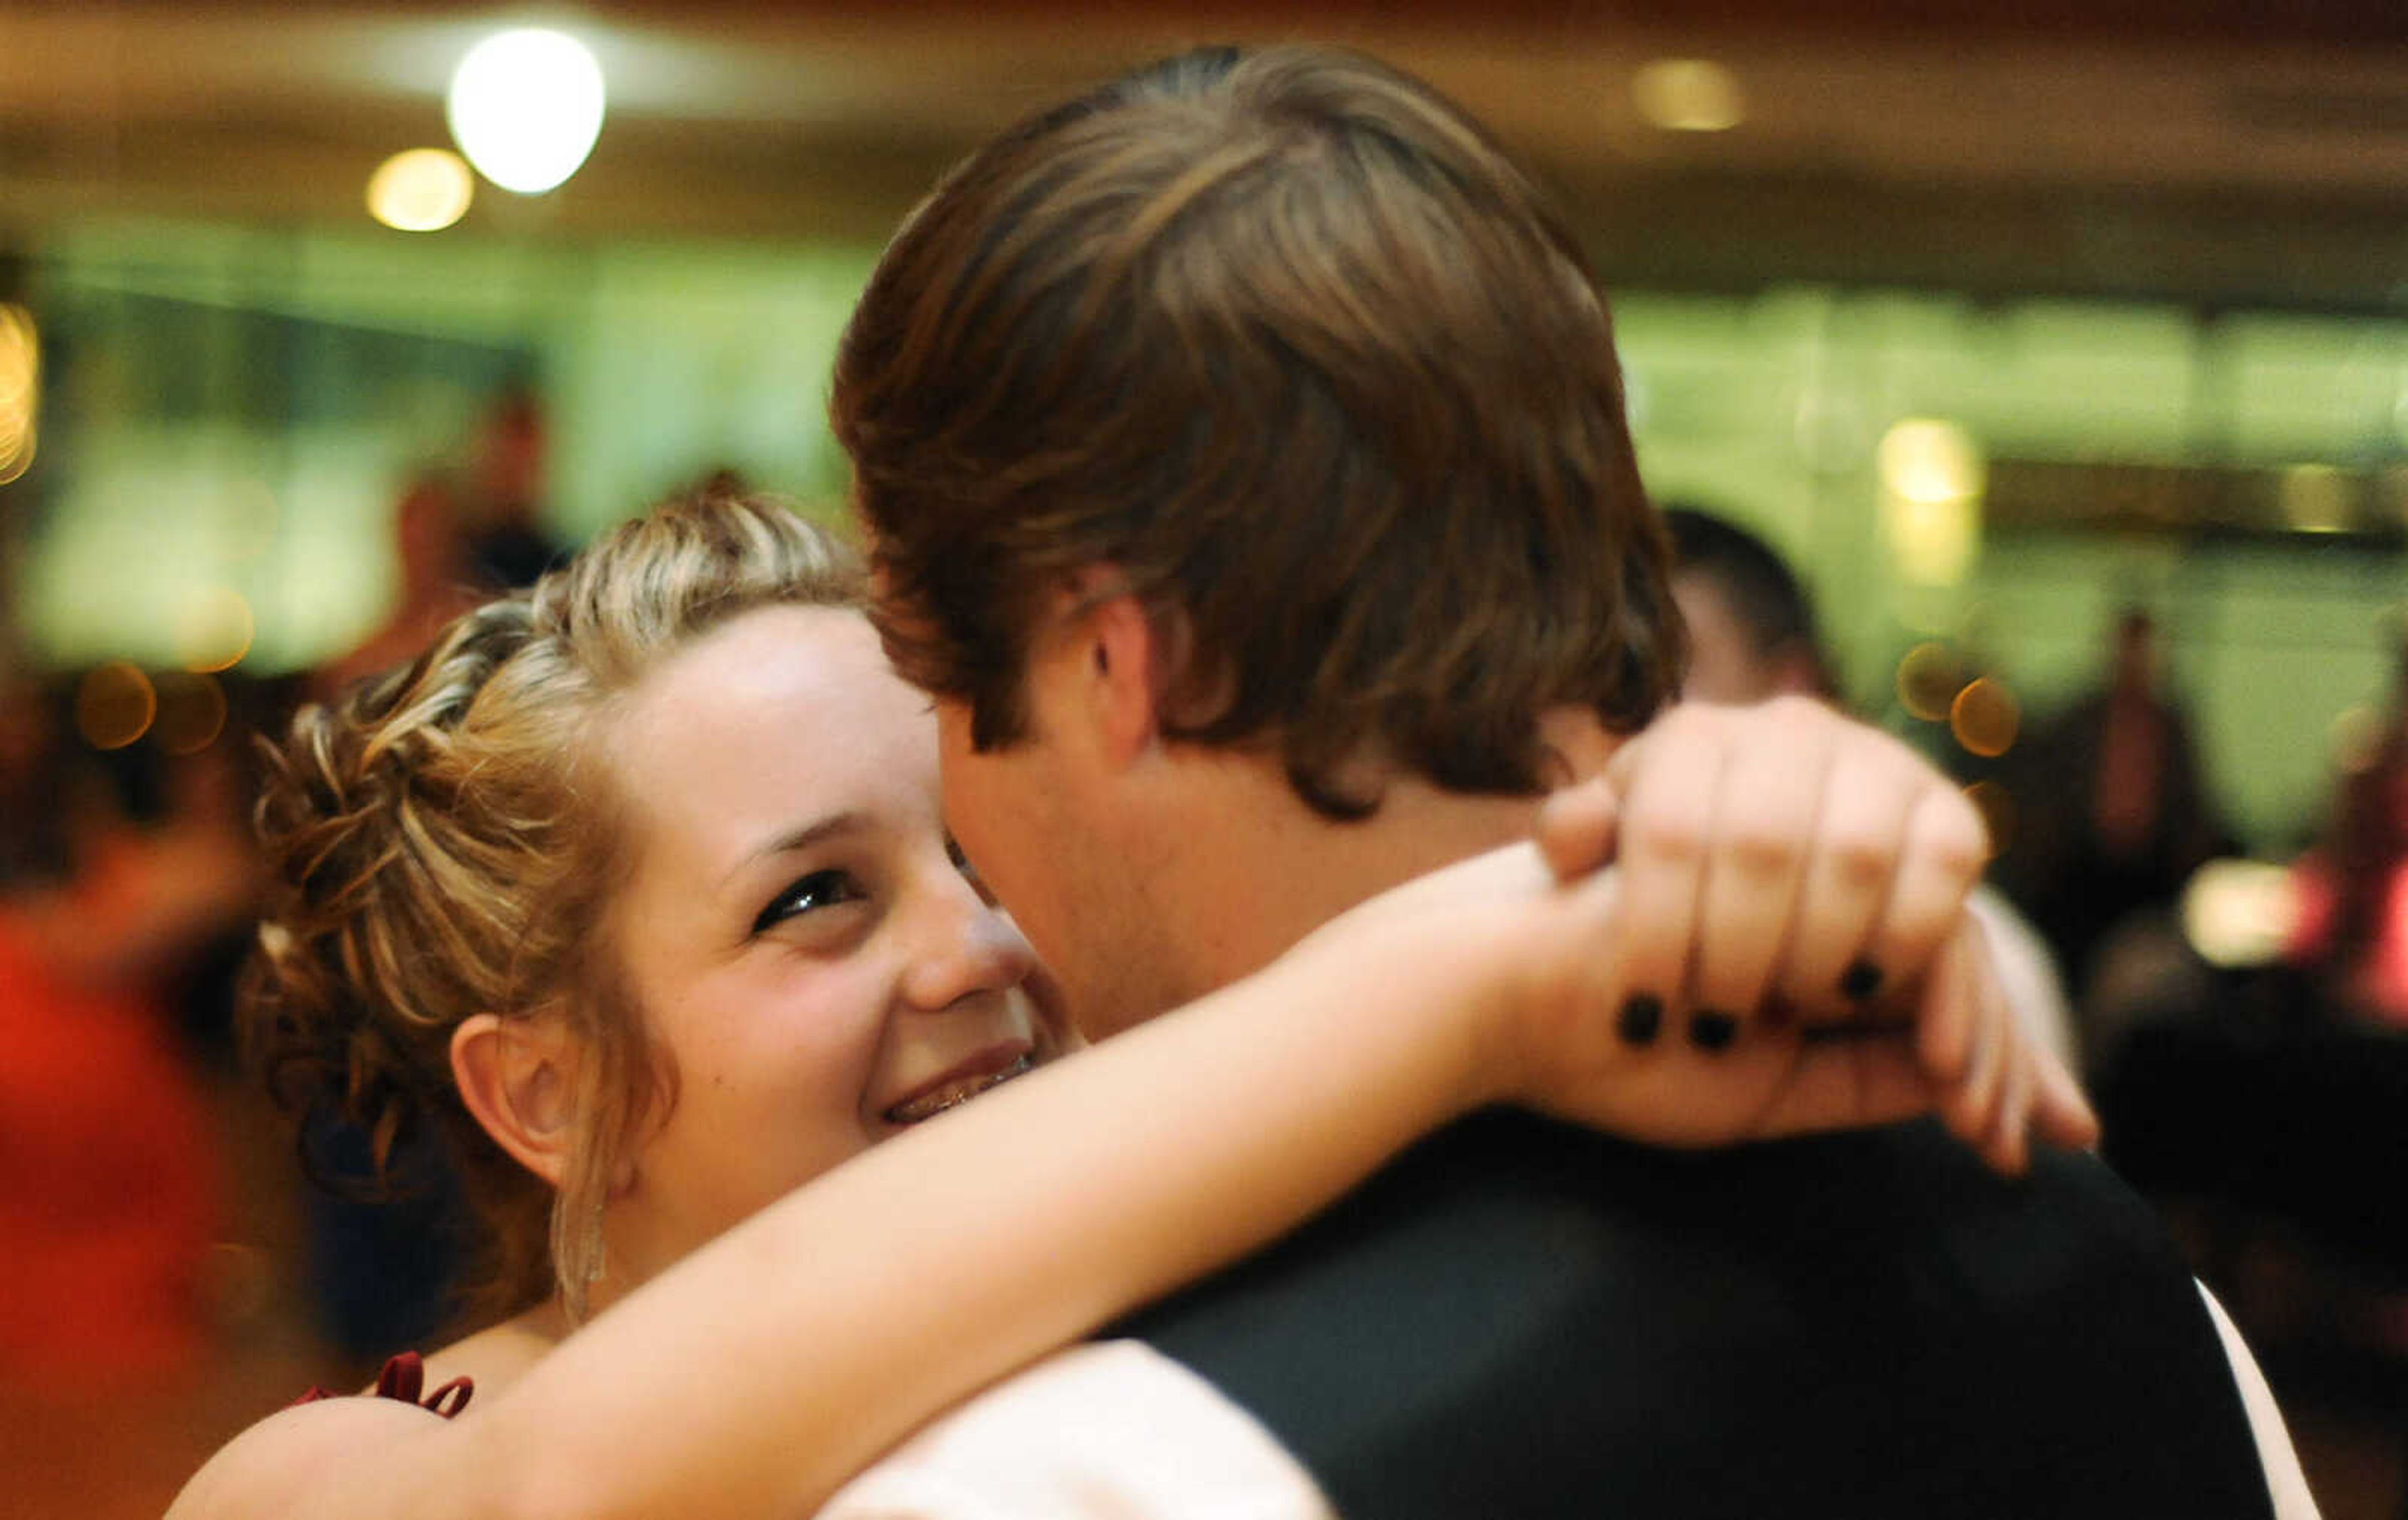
(758, 1375)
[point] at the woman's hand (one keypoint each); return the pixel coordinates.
(1545, 959)
(1791, 898)
(1777, 857)
(1721, 984)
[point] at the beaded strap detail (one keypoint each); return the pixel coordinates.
(403, 1377)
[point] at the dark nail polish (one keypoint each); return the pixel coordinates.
(1712, 1031)
(1860, 981)
(1642, 1017)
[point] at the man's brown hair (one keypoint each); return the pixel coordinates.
(1285, 339)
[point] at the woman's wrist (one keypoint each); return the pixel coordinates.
(1451, 990)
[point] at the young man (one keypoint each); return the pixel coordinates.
(1243, 452)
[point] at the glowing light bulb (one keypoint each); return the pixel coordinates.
(424, 189)
(21, 372)
(1926, 459)
(1688, 94)
(525, 106)
(1932, 478)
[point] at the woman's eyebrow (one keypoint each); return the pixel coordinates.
(835, 826)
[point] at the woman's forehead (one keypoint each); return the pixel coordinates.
(784, 712)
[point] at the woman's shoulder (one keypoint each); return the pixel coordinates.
(307, 1459)
(329, 1453)
(494, 1357)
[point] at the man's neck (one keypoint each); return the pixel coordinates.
(1281, 871)
(1225, 900)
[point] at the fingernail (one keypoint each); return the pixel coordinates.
(1860, 981)
(1642, 1017)
(1712, 1031)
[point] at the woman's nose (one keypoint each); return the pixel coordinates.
(963, 946)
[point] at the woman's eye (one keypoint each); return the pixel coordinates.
(820, 889)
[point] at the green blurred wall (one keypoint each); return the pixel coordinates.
(661, 362)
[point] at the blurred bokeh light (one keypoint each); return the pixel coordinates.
(192, 712)
(525, 105)
(1688, 94)
(214, 629)
(1932, 476)
(1928, 678)
(114, 705)
(21, 375)
(423, 189)
(2238, 912)
(1985, 716)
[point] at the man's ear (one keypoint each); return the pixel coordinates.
(1123, 662)
(517, 1077)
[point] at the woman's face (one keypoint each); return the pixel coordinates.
(797, 931)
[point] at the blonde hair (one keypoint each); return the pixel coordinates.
(444, 844)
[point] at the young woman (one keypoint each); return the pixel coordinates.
(633, 889)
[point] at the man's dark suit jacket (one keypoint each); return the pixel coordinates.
(1521, 1319)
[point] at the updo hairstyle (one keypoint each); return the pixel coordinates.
(444, 842)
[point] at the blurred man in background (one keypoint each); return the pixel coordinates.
(2119, 814)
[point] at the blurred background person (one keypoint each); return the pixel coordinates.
(437, 580)
(508, 542)
(2115, 814)
(2351, 933)
(1751, 638)
(110, 1185)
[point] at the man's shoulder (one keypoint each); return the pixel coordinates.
(1510, 1213)
(1516, 1314)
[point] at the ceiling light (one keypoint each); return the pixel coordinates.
(424, 189)
(1688, 94)
(1932, 478)
(525, 106)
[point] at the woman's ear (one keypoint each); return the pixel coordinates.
(516, 1076)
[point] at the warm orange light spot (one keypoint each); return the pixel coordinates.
(1985, 717)
(191, 712)
(1927, 681)
(1688, 94)
(20, 373)
(424, 189)
(114, 706)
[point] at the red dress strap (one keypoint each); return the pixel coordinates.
(403, 1377)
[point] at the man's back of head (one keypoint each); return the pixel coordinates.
(1285, 340)
(1751, 624)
